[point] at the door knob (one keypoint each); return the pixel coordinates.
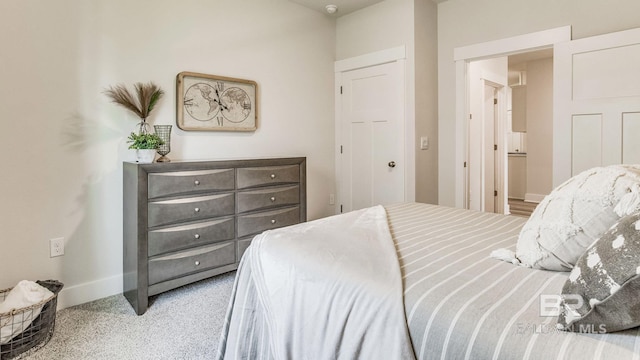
(392, 164)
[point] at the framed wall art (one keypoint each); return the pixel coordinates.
(216, 103)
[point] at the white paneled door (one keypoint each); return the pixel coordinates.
(597, 103)
(372, 136)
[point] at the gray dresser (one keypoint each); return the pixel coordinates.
(185, 221)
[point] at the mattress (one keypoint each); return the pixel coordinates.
(459, 303)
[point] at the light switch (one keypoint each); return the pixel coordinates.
(424, 143)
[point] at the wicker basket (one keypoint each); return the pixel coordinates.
(39, 331)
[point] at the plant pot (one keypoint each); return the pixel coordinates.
(145, 156)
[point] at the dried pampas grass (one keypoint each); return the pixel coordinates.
(147, 97)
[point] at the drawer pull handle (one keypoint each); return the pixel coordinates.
(197, 236)
(197, 182)
(196, 209)
(273, 221)
(273, 198)
(197, 262)
(273, 176)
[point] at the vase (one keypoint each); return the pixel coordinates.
(145, 156)
(143, 127)
(164, 132)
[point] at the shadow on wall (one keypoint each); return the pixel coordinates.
(94, 241)
(80, 133)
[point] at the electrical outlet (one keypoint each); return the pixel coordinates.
(56, 247)
(332, 199)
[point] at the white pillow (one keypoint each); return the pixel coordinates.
(573, 216)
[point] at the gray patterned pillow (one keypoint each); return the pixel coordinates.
(602, 293)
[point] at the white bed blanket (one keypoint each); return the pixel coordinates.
(332, 289)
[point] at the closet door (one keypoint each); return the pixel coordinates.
(372, 132)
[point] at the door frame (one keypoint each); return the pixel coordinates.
(500, 166)
(462, 56)
(396, 54)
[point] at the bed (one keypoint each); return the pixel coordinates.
(458, 302)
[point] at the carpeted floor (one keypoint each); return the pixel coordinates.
(184, 323)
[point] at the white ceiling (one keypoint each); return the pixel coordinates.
(344, 6)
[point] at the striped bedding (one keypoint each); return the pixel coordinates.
(459, 303)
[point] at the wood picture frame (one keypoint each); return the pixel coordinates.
(215, 103)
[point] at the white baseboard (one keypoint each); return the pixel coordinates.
(536, 198)
(94, 290)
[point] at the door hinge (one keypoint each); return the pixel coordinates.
(495, 146)
(340, 89)
(340, 209)
(495, 192)
(495, 101)
(340, 149)
(470, 116)
(465, 164)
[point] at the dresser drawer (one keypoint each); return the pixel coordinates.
(184, 182)
(190, 261)
(270, 175)
(180, 237)
(184, 221)
(259, 222)
(268, 198)
(188, 209)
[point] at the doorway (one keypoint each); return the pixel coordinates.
(498, 158)
(465, 58)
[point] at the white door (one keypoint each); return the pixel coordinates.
(489, 178)
(596, 118)
(372, 132)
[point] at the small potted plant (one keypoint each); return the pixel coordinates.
(146, 145)
(145, 99)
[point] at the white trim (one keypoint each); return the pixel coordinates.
(534, 198)
(377, 58)
(513, 45)
(462, 56)
(500, 171)
(409, 133)
(462, 136)
(94, 290)
(497, 79)
(338, 142)
(374, 58)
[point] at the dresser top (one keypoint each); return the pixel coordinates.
(176, 165)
